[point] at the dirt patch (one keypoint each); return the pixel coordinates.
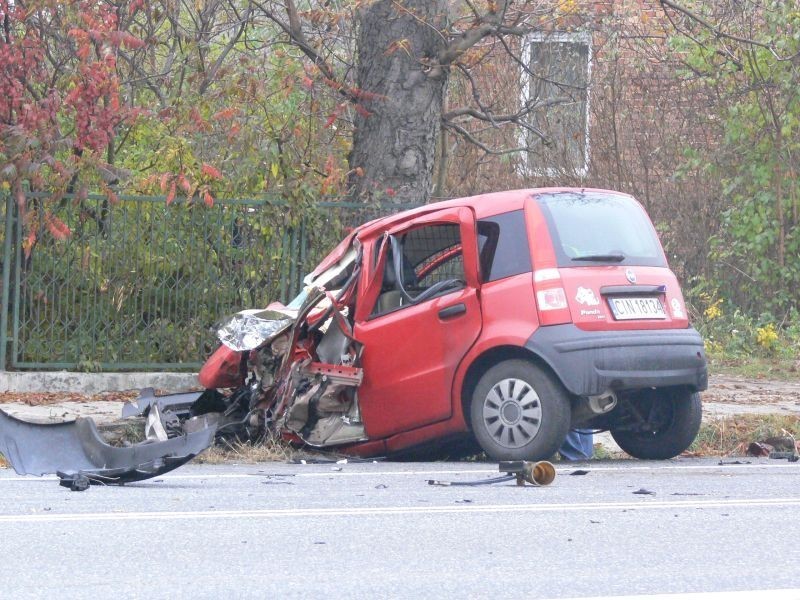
(729, 389)
(50, 398)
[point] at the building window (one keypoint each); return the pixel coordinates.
(560, 69)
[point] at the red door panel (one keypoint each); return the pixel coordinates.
(410, 358)
(410, 355)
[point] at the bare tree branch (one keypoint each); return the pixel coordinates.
(487, 24)
(212, 72)
(295, 32)
(718, 33)
(473, 140)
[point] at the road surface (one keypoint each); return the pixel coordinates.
(378, 530)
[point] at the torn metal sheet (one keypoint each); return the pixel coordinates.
(77, 447)
(250, 329)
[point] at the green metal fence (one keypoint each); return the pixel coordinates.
(140, 285)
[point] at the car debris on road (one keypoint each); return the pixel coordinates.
(540, 473)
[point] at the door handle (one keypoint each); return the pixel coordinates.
(453, 311)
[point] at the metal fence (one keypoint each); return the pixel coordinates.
(141, 285)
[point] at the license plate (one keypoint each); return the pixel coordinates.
(637, 308)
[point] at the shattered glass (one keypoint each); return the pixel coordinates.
(248, 330)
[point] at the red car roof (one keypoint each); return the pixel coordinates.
(484, 205)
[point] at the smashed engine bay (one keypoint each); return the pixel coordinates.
(289, 372)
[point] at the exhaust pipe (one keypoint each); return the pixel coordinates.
(586, 408)
(538, 473)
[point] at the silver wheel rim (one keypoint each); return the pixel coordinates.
(512, 413)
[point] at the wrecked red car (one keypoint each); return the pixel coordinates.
(506, 318)
(503, 319)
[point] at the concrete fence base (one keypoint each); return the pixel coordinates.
(94, 383)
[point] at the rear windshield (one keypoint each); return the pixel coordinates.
(606, 229)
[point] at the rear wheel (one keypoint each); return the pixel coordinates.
(519, 412)
(666, 423)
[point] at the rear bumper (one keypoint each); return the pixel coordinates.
(592, 362)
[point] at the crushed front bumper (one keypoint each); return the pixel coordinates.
(77, 447)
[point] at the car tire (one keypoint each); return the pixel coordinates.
(519, 412)
(682, 413)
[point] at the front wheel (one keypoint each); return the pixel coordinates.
(667, 423)
(519, 412)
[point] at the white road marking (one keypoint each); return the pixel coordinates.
(561, 470)
(398, 510)
(781, 594)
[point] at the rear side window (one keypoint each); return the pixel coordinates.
(503, 246)
(594, 228)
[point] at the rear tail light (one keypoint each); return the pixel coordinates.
(550, 297)
(554, 299)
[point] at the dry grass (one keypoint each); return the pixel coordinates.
(730, 436)
(269, 450)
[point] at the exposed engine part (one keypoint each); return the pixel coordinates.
(336, 374)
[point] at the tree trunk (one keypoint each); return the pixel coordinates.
(397, 122)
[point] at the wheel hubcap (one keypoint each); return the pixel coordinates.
(512, 413)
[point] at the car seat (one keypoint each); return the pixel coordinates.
(391, 297)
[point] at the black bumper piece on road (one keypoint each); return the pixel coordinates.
(592, 362)
(76, 448)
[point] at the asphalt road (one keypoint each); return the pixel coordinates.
(378, 530)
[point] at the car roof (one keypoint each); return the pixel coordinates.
(483, 205)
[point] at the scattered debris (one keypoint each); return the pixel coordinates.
(733, 462)
(776, 447)
(580, 472)
(644, 492)
(759, 449)
(536, 473)
(334, 460)
(74, 481)
(790, 456)
(472, 483)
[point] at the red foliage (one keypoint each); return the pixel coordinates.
(362, 111)
(172, 191)
(210, 171)
(225, 113)
(47, 99)
(58, 229)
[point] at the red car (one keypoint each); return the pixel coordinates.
(511, 317)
